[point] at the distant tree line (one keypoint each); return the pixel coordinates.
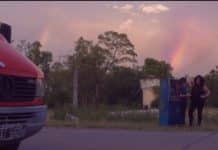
(102, 72)
(212, 82)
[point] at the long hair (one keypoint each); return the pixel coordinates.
(202, 81)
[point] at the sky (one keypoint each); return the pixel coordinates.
(184, 34)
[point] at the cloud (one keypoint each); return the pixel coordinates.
(116, 7)
(124, 8)
(127, 8)
(143, 8)
(126, 24)
(154, 8)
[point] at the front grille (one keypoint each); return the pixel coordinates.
(15, 118)
(14, 88)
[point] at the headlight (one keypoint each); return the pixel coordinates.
(40, 89)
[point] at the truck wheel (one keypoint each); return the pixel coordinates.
(12, 146)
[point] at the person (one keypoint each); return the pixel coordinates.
(199, 94)
(183, 94)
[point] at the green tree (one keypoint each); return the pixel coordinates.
(157, 69)
(34, 52)
(23, 46)
(45, 61)
(96, 61)
(59, 92)
(211, 81)
(123, 87)
(76, 63)
(118, 49)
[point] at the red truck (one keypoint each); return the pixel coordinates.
(22, 109)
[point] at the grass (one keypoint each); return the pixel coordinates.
(149, 126)
(89, 118)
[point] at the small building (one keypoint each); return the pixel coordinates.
(148, 91)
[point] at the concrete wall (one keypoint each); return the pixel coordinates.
(148, 97)
(148, 92)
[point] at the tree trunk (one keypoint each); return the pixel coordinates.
(97, 96)
(75, 88)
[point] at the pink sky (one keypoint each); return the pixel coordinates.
(182, 33)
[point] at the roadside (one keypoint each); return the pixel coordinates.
(107, 139)
(124, 119)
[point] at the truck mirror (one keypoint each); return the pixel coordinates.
(5, 30)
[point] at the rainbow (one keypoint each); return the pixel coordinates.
(177, 55)
(44, 35)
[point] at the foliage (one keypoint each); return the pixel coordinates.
(106, 72)
(211, 81)
(119, 48)
(60, 89)
(59, 114)
(94, 60)
(123, 87)
(23, 46)
(156, 68)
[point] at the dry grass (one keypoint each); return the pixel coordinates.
(210, 122)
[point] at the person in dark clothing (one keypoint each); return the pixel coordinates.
(199, 94)
(183, 94)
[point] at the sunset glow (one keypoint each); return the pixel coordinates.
(181, 33)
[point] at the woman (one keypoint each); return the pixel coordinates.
(199, 94)
(183, 97)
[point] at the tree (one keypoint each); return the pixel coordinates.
(157, 69)
(57, 66)
(59, 92)
(23, 46)
(118, 49)
(123, 87)
(42, 59)
(45, 61)
(90, 63)
(76, 63)
(34, 52)
(96, 62)
(211, 81)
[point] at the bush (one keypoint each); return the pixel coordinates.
(59, 115)
(57, 99)
(132, 116)
(210, 115)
